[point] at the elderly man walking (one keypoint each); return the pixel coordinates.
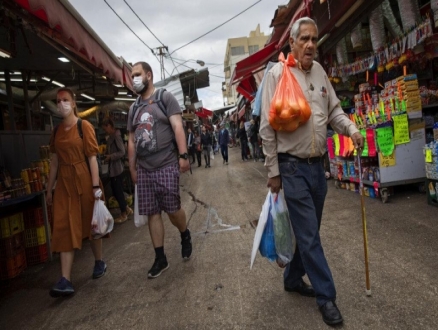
(295, 163)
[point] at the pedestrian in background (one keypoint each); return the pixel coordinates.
(198, 148)
(73, 166)
(190, 145)
(115, 152)
(253, 133)
(295, 163)
(154, 133)
(242, 136)
(224, 140)
(206, 142)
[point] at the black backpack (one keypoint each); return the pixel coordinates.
(81, 134)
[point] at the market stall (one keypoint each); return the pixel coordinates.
(48, 46)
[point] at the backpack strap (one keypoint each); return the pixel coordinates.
(135, 108)
(159, 100)
(55, 129)
(79, 123)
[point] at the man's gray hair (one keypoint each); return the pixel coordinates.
(295, 29)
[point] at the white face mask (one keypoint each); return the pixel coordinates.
(64, 108)
(138, 85)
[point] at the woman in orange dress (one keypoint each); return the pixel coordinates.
(77, 187)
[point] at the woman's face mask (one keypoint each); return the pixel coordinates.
(64, 108)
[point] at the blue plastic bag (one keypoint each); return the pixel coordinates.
(267, 244)
(285, 241)
(257, 110)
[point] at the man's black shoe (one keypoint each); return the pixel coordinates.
(303, 289)
(159, 266)
(330, 313)
(186, 247)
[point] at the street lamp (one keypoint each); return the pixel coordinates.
(200, 62)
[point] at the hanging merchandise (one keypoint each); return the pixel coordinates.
(341, 52)
(392, 24)
(377, 29)
(434, 7)
(356, 37)
(389, 56)
(409, 13)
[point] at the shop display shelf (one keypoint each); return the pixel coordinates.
(11, 225)
(34, 217)
(12, 267)
(35, 236)
(36, 254)
(11, 246)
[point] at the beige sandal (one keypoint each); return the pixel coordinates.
(120, 219)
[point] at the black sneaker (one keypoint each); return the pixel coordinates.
(62, 289)
(186, 247)
(99, 269)
(159, 266)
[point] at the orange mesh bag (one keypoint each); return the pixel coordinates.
(289, 108)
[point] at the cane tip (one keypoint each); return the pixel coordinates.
(368, 292)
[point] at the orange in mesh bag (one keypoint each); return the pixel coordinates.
(289, 108)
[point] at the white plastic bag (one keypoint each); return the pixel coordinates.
(211, 152)
(139, 220)
(102, 222)
(260, 227)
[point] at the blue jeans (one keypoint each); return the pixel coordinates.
(224, 152)
(305, 188)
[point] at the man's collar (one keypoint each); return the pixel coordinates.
(301, 68)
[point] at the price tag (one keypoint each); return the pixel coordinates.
(428, 156)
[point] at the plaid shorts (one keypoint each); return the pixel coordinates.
(158, 190)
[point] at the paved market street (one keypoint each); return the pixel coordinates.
(217, 290)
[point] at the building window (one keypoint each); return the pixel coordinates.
(237, 50)
(253, 49)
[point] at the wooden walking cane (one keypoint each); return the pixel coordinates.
(364, 227)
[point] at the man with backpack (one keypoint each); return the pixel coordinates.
(157, 152)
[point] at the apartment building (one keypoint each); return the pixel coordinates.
(238, 49)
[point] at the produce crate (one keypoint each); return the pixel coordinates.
(11, 246)
(12, 267)
(11, 225)
(35, 236)
(37, 254)
(33, 217)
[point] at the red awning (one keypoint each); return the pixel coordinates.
(253, 63)
(204, 113)
(76, 35)
(247, 87)
(241, 112)
(303, 10)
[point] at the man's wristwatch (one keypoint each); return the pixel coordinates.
(184, 155)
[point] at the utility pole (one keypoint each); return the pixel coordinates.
(162, 50)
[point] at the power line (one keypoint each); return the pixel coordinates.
(129, 27)
(161, 62)
(142, 22)
(152, 51)
(192, 60)
(216, 27)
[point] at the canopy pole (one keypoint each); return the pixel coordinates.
(26, 100)
(12, 126)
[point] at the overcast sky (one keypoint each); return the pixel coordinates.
(175, 23)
